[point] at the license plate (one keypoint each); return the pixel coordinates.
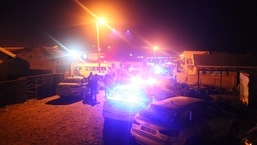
(148, 130)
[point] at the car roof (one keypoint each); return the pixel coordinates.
(177, 102)
(75, 77)
(129, 87)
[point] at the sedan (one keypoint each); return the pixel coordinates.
(72, 86)
(182, 120)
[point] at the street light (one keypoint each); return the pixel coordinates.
(154, 49)
(100, 21)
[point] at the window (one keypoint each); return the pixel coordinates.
(212, 72)
(197, 114)
(78, 68)
(219, 72)
(204, 71)
(189, 61)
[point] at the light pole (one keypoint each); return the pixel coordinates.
(98, 47)
(101, 21)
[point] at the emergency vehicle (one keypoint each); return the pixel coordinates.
(84, 69)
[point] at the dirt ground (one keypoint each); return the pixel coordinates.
(52, 121)
(55, 121)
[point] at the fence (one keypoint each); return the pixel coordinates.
(22, 89)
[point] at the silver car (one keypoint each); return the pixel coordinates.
(182, 121)
(72, 86)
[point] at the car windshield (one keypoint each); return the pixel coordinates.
(72, 80)
(159, 114)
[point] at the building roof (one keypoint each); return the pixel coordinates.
(225, 60)
(7, 52)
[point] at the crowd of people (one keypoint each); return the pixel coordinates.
(93, 85)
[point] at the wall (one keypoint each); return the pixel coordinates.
(243, 86)
(225, 82)
(3, 67)
(188, 60)
(38, 59)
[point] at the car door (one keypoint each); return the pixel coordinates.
(216, 120)
(196, 122)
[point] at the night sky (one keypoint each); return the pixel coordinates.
(174, 26)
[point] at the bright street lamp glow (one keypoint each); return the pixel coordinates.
(101, 21)
(154, 49)
(74, 53)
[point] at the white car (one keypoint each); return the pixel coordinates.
(182, 121)
(125, 101)
(72, 86)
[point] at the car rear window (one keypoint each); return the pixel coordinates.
(159, 114)
(72, 80)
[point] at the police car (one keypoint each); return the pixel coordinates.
(125, 101)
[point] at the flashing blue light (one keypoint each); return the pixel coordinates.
(140, 81)
(131, 96)
(157, 70)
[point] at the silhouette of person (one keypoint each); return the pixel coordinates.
(90, 85)
(108, 82)
(94, 87)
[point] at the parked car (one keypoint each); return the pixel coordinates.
(125, 101)
(182, 120)
(250, 138)
(73, 86)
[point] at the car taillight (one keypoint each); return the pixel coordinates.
(171, 133)
(135, 122)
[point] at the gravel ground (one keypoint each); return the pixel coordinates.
(70, 121)
(52, 121)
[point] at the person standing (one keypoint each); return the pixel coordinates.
(90, 85)
(108, 82)
(94, 87)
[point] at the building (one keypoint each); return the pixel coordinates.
(248, 87)
(215, 69)
(11, 66)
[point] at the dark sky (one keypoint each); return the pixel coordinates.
(174, 26)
